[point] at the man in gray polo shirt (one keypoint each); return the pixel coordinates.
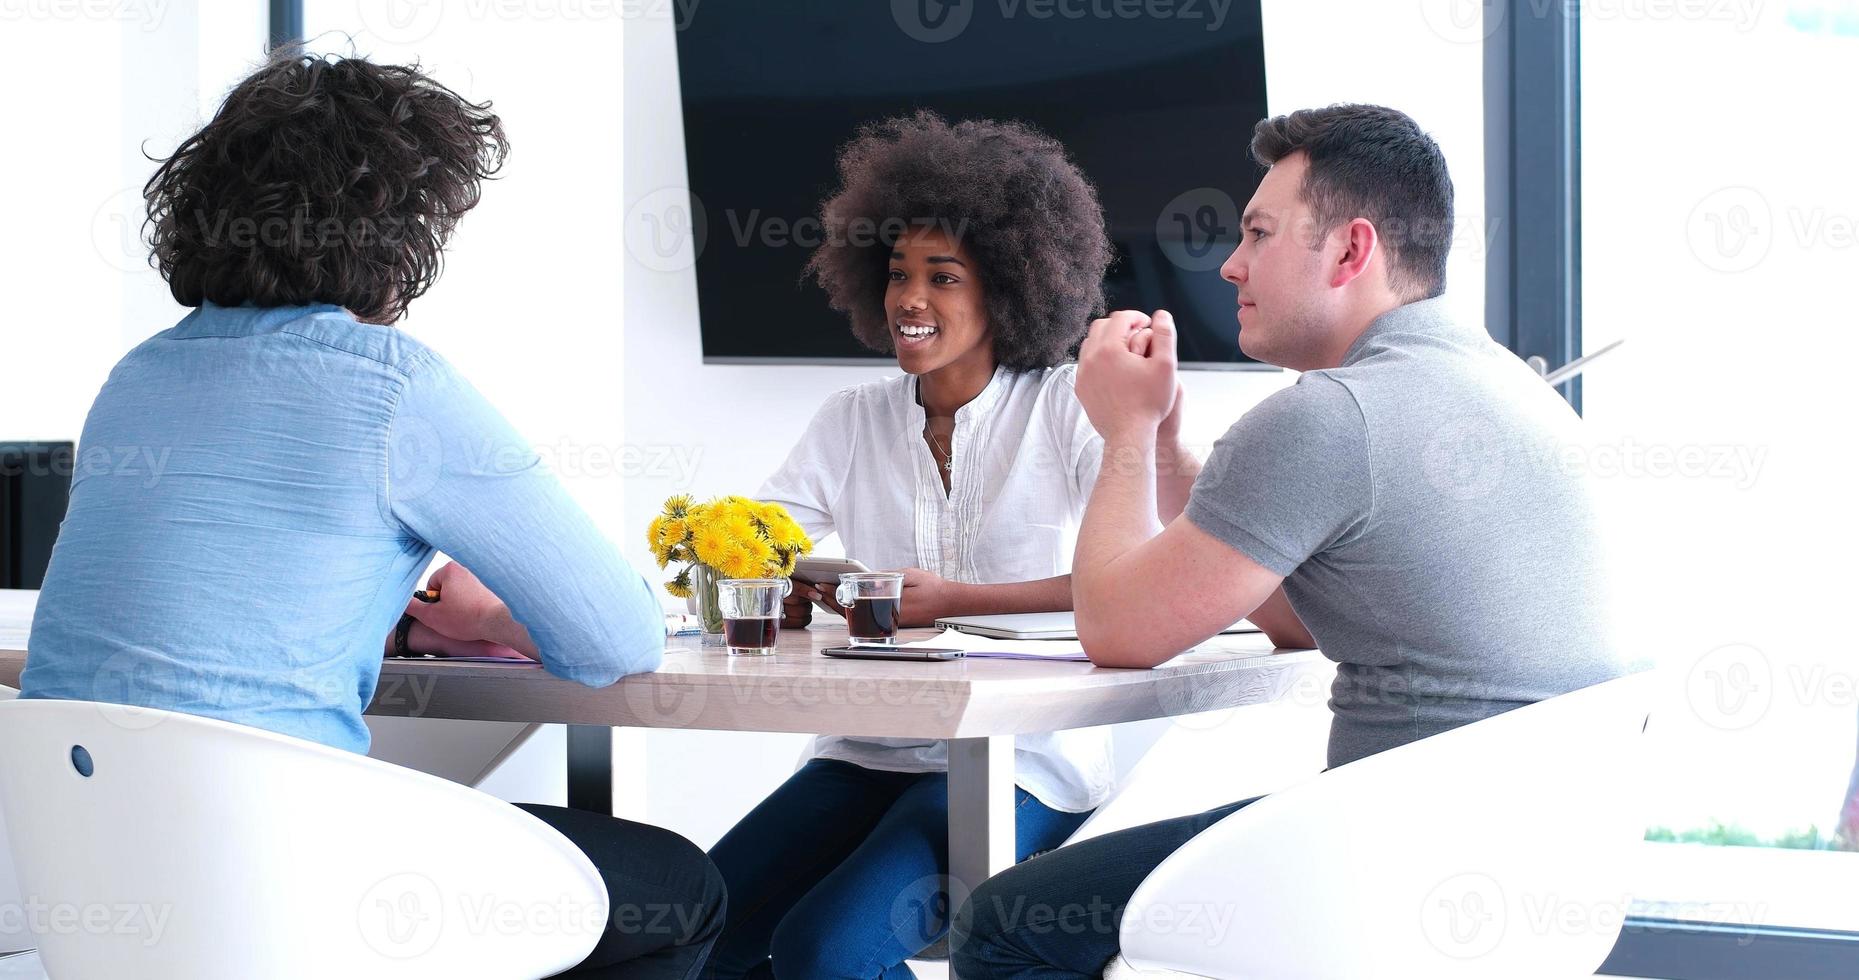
(1406, 505)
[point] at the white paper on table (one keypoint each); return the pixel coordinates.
(983, 646)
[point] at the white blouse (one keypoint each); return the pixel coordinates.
(1025, 459)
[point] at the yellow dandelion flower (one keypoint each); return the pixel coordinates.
(671, 532)
(738, 561)
(677, 505)
(740, 527)
(764, 555)
(711, 544)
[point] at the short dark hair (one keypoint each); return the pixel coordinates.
(1006, 191)
(1369, 161)
(321, 180)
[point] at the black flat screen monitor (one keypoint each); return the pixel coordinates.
(35, 486)
(1156, 103)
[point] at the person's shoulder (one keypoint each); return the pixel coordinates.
(388, 346)
(1325, 396)
(883, 396)
(1317, 410)
(1061, 379)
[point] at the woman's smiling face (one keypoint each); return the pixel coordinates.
(934, 302)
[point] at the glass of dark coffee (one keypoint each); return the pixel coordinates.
(751, 613)
(872, 601)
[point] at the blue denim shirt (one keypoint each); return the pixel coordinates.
(256, 494)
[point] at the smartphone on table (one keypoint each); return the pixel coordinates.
(879, 652)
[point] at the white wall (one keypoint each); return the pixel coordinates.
(739, 421)
(86, 95)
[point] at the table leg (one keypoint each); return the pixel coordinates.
(590, 768)
(981, 840)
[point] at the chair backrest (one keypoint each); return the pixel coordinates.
(1499, 849)
(13, 932)
(164, 846)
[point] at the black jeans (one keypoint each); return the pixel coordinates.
(667, 898)
(1058, 916)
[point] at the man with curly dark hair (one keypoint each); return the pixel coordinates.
(316, 457)
(975, 251)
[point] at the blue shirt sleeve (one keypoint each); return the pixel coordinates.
(461, 479)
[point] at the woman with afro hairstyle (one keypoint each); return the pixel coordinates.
(315, 458)
(975, 252)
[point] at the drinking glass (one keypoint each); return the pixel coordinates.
(751, 613)
(872, 601)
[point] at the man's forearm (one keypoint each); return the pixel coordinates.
(504, 629)
(1175, 472)
(1121, 515)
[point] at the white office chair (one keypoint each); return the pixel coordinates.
(14, 936)
(168, 847)
(1500, 849)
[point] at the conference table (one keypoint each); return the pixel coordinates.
(978, 705)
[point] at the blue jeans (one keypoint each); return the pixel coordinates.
(838, 873)
(1057, 917)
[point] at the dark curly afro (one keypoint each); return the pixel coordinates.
(1007, 191)
(321, 180)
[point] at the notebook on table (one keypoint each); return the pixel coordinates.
(1036, 626)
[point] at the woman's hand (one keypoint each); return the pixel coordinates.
(928, 597)
(797, 607)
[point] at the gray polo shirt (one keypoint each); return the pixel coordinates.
(1437, 536)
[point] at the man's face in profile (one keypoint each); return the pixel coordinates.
(1278, 270)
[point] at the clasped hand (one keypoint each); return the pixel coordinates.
(1126, 377)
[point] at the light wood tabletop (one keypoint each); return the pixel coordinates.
(978, 704)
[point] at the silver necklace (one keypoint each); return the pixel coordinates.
(948, 465)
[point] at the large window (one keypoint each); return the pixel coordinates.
(1720, 237)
